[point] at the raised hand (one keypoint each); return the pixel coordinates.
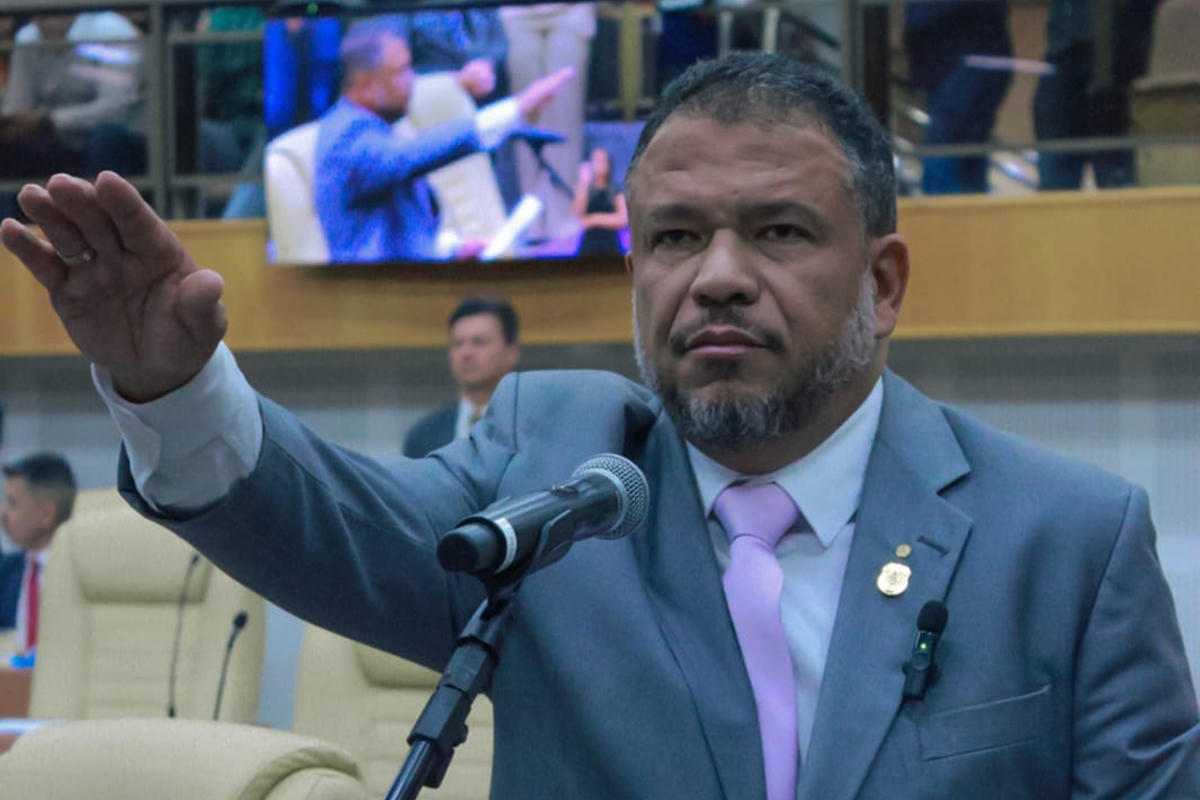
(542, 91)
(585, 174)
(478, 77)
(128, 295)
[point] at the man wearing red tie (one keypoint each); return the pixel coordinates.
(39, 494)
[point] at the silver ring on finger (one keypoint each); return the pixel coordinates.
(85, 256)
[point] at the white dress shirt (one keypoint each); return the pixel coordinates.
(188, 448)
(467, 415)
(826, 486)
(493, 123)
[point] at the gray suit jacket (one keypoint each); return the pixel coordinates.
(1064, 674)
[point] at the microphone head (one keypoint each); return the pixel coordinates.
(239, 621)
(635, 491)
(933, 617)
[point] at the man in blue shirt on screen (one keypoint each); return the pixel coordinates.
(371, 197)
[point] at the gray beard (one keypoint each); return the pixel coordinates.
(735, 423)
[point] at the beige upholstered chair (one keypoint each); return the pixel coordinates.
(1167, 100)
(291, 208)
(110, 608)
(152, 759)
(467, 192)
(367, 701)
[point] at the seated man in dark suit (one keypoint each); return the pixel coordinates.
(39, 495)
(371, 197)
(483, 349)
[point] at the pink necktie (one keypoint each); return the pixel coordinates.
(755, 517)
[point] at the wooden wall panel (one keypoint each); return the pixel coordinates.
(1071, 263)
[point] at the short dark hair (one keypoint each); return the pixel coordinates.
(767, 89)
(362, 48)
(498, 307)
(49, 473)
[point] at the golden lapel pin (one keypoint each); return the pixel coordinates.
(893, 578)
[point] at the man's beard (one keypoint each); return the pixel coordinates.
(739, 421)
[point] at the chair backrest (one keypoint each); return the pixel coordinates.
(292, 221)
(467, 191)
(110, 611)
(367, 701)
(150, 759)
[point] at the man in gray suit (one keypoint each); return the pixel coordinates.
(767, 278)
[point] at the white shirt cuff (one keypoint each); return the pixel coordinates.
(187, 449)
(495, 121)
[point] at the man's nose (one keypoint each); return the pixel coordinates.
(725, 273)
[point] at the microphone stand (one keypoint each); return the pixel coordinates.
(555, 179)
(442, 724)
(173, 674)
(239, 622)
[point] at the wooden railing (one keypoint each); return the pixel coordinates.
(1071, 263)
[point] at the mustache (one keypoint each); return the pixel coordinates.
(731, 317)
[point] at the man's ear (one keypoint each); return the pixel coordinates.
(889, 267)
(629, 263)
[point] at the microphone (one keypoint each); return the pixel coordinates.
(173, 674)
(239, 622)
(922, 670)
(607, 496)
(537, 138)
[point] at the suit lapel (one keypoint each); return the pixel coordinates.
(915, 457)
(684, 586)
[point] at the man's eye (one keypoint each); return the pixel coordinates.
(672, 238)
(783, 231)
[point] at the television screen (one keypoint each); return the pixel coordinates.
(370, 162)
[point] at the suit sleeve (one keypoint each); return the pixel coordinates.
(348, 542)
(1136, 732)
(378, 159)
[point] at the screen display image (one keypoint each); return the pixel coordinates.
(476, 133)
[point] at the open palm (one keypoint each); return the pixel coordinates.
(128, 295)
